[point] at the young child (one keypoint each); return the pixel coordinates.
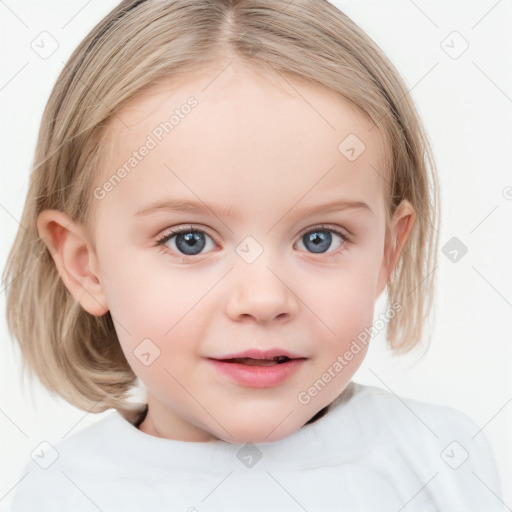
(277, 138)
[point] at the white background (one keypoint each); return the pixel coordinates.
(466, 105)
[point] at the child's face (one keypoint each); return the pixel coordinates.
(256, 156)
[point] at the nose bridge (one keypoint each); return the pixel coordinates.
(259, 289)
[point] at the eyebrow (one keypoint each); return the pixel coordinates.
(187, 206)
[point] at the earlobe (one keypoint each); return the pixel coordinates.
(75, 259)
(401, 225)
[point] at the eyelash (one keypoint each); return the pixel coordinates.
(185, 259)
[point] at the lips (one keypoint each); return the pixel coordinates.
(256, 357)
(257, 369)
(249, 361)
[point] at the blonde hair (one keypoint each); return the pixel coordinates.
(77, 355)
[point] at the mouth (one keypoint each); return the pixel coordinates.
(249, 361)
(257, 357)
(257, 372)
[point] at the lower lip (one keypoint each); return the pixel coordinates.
(258, 376)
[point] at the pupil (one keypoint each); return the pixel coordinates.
(194, 242)
(320, 241)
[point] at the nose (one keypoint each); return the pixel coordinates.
(260, 291)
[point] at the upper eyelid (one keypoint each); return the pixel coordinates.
(319, 227)
(184, 229)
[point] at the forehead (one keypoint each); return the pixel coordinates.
(231, 135)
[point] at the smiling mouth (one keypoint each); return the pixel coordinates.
(249, 361)
(259, 371)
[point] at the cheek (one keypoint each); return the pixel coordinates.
(148, 297)
(156, 310)
(344, 299)
(152, 316)
(347, 315)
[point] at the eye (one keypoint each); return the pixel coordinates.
(186, 241)
(189, 241)
(320, 238)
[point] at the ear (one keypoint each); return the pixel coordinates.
(75, 259)
(401, 225)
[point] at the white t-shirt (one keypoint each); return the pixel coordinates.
(372, 451)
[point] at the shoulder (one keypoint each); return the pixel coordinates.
(438, 443)
(49, 476)
(402, 415)
(402, 412)
(409, 420)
